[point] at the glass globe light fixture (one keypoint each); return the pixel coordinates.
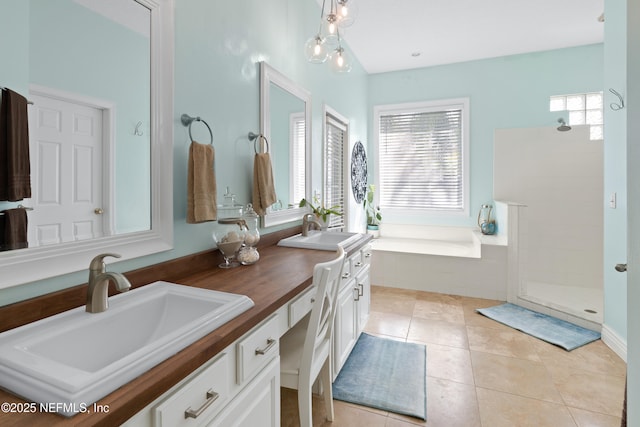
(340, 61)
(315, 50)
(327, 41)
(346, 12)
(330, 25)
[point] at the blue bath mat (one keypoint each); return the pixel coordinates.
(547, 328)
(385, 374)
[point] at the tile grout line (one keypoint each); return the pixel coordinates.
(473, 376)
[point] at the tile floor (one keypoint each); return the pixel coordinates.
(482, 373)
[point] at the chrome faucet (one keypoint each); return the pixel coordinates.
(308, 223)
(99, 278)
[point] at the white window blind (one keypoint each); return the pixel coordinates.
(420, 158)
(297, 159)
(333, 194)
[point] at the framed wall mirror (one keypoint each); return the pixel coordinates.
(285, 120)
(106, 68)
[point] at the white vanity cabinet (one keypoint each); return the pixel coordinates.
(354, 298)
(238, 387)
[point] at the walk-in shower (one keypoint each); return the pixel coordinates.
(556, 180)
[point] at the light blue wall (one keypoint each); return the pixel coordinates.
(14, 73)
(218, 45)
(506, 92)
(217, 49)
(615, 170)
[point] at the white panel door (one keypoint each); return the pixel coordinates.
(66, 168)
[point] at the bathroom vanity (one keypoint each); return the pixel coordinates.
(232, 374)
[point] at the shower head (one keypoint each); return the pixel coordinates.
(563, 125)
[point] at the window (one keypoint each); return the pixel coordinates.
(297, 158)
(422, 156)
(336, 139)
(584, 109)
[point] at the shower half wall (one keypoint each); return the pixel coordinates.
(554, 183)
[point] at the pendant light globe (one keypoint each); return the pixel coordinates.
(315, 50)
(347, 11)
(339, 60)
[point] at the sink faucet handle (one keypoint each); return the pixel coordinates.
(97, 263)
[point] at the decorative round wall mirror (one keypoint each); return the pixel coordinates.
(359, 172)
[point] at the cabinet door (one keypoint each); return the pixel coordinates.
(258, 404)
(363, 284)
(345, 332)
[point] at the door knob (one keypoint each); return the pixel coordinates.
(621, 268)
(98, 211)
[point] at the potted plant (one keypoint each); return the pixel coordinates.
(373, 212)
(320, 211)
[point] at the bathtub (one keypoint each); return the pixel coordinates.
(451, 260)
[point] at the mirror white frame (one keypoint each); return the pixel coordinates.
(268, 76)
(27, 265)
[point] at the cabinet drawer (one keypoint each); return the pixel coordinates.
(199, 399)
(301, 305)
(256, 349)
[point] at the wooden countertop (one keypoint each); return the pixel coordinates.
(279, 275)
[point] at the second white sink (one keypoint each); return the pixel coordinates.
(76, 357)
(322, 240)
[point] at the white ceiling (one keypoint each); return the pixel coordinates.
(386, 33)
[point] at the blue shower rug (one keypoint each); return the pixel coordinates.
(385, 374)
(547, 328)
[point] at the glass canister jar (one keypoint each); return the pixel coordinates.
(249, 253)
(229, 208)
(229, 237)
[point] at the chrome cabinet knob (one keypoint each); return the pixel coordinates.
(621, 268)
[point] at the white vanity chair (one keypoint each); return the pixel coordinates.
(305, 350)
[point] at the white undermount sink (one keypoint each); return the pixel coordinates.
(75, 358)
(322, 240)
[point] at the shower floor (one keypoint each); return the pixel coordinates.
(572, 300)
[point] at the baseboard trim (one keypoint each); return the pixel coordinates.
(614, 342)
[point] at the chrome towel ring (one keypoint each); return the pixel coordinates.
(257, 137)
(187, 120)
